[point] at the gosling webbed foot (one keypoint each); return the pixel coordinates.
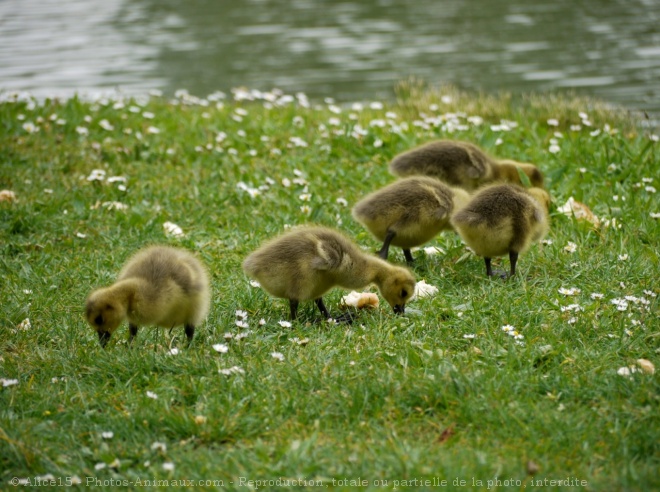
(494, 273)
(346, 317)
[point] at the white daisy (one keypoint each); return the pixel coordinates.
(171, 229)
(221, 348)
(232, 370)
(159, 446)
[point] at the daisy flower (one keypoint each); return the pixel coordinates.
(231, 370)
(159, 446)
(171, 229)
(106, 125)
(221, 348)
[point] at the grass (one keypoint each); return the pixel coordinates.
(394, 399)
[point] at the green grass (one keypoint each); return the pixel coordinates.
(387, 398)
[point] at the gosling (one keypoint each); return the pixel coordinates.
(159, 285)
(306, 262)
(462, 164)
(501, 219)
(409, 212)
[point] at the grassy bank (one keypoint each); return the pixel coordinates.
(442, 394)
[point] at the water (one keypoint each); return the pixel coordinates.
(347, 50)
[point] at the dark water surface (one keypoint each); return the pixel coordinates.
(347, 50)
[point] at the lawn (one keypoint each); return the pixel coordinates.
(442, 398)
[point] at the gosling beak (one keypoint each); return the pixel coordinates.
(104, 337)
(399, 308)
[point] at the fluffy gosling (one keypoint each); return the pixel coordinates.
(306, 262)
(461, 164)
(159, 285)
(409, 212)
(501, 219)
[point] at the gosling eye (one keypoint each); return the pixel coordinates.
(98, 320)
(404, 293)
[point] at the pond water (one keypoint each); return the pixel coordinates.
(347, 50)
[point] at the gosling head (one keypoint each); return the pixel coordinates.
(541, 196)
(509, 172)
(397, 287)
(104, 313)
(461, 198)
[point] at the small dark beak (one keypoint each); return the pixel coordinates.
(399, 308)
(104, 337)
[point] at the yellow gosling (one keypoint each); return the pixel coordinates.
(501, 219)
(409, 212)
(306, 262)
(159, 285)
(461, 164)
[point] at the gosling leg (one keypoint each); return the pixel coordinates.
(489, 269)
(104, 338)
(513, 259)
(386, 245)
(293, 308)
(408, 255)
(190, 332)
(322, 308)
(132, 330)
